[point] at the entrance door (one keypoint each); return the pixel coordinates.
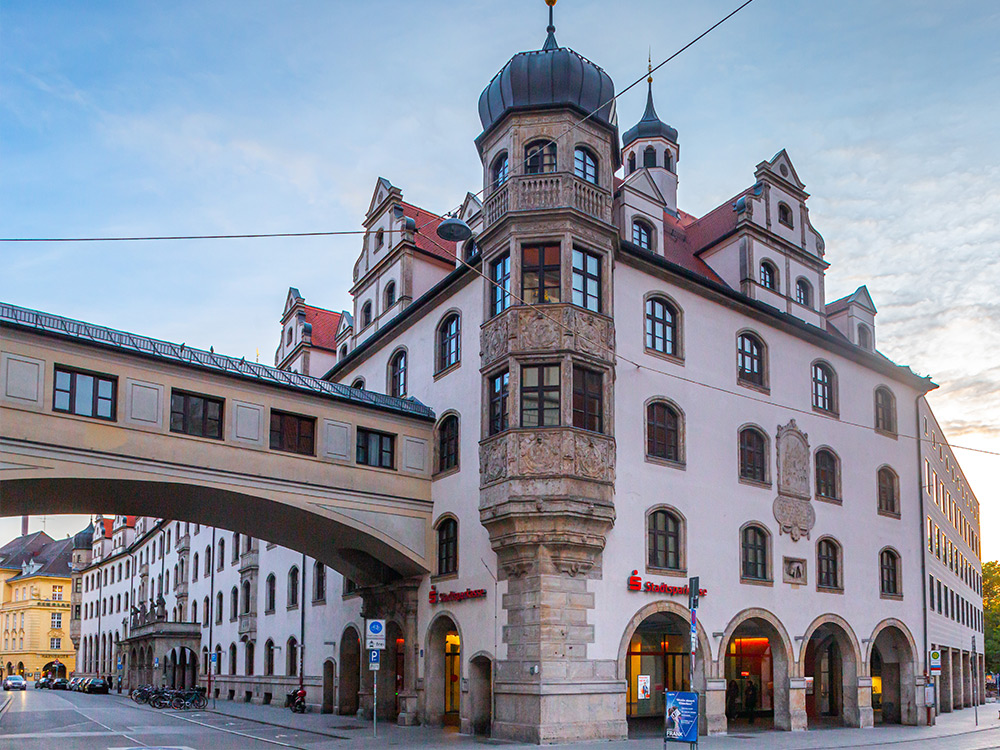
(452, 679)
(400, 657)
(657, 660)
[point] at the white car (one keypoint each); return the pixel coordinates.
(14, 682)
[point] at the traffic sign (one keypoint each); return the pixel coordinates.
(156, 661)
(935, 661)
(215, 657)
(375, 634)
(373, 659)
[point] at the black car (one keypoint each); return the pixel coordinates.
(41, 683)
(60, 683)
(97, 685)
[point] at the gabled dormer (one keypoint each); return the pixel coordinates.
(639, 207)
(471, 213)
(854, 316)
(308, 337)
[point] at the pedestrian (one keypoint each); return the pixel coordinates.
(750, 700)
(732, 694)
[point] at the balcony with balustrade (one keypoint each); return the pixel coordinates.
(249, 560)
(248, 624)
(552, 190)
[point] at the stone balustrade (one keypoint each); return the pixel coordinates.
(551, 190)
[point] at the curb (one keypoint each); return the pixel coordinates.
(5, 706)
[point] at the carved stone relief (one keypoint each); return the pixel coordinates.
(493, 461)
(793, 570)
(792, 507)
(495, 337)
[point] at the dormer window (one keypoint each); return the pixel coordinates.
(785, 215)
(288, 337)
(585, 165)
(642, 234)
(343, 352)
(631, 162)
(471, 249)
(648, 157)
(540, 157)
(379, 239)
(500, 170)
(803, 293)
(768, 276)
(864, 337)
(366, 315)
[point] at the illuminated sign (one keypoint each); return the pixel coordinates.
(635, 583)
(455, 596)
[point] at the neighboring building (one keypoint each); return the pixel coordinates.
(308, 342)
(82, 554)
(35, 606)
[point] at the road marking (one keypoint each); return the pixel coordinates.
(238, 734)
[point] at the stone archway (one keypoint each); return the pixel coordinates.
(443, 672)
(757, 651)
(893, 668)
(656, 644)
(481, 694)
(329, 686)
(350, 670)
(831, 658)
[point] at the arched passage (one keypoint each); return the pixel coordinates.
(756, 661)
(443, 672)
(831, 659)
(892, 666)
(350, 670)
(329, 686)
(481, 694)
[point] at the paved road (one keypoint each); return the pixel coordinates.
(44, 719)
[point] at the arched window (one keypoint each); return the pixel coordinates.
(803, 293)
(358, 384)
(663, 431)
(631, 162)
(824, 387)
(293, 587)
(500, 170)
(753, 455)
(269, 657)
(447, 537)
(785, 215)
(397, 374)
(828, 564)
(234, 603)
(448, 443)
(540, 157)
(885, 410)
(205, 613)
(236, 547)
(888, 491)
(366, 315)
(208, 561)
(585, 164)
(889, 579)
(827, 474)
(755, 553)
(668, 160)
(292, 657)
(269, 595)
(194, 611)
(470, 249)
(768, 276)
(648, 157)
(343, 352)
(642, 234)
(222, 554)
(390, 294)
(664, 540)
(204, 660)
(218, 608)
(232, 658)
(864, 337)
(248, 658)
(449, 342)
(246, 597)
(319, 582)
(661, 326)
(750, 361)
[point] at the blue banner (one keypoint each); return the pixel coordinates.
(681, 717)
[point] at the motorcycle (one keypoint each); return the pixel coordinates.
(298, 701)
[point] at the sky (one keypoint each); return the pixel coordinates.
(209, 117)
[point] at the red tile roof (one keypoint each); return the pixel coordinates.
(684, 236)
(426, 238)
(324, 326)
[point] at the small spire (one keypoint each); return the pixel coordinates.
(550, 40)
(650, 79)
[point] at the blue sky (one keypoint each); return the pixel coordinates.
(234, 117)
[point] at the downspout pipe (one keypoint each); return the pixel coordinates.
(923, 546)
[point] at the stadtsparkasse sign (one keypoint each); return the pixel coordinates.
(635, 583)
(455, 596)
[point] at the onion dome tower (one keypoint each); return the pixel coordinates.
(549, 149)
(652, 144)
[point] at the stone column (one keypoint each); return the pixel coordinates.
(967, 678)
(958, 683)
(798, 720)
(715, 707)
(866, 715)
(945, 682)
(407, 610)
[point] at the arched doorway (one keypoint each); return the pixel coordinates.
(390, 675)
(891, 666)
(329, 674)
(481, 695)
(829, 661)
(54, 669)
(755, 660)
(350, 670)
(443, 673)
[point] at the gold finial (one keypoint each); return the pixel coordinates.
(550, 3)
(650, 79)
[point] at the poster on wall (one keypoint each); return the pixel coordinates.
(682, 717)
(642, 688)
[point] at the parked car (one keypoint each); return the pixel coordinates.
(15, 682)
(97, 685)
(72, 683)
(81, 686)
(41, 682)
(60, 683)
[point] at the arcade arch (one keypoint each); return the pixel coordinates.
(893, 668)
(831, 657)
(443, 672)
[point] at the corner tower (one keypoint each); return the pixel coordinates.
(549, 149)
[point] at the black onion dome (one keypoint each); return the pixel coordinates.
(650, 126)
(553, 76)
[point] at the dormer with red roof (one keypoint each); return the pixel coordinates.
(101, 546)
(308, 342)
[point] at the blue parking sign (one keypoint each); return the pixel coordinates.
(373, 655)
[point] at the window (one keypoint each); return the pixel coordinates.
(586, 280)
(245, 597)
(540, 157)
(397, 374)
(57, 591)
(379, 239)
(889, 565)
(205, 614)
(269, 657)
(585, 165)
(768, 276)
(358, 384)
(343, 352)
(56, 622)
(754, 543)
(471, 249)
(827, 475)
(500, 170)
(83, 393)
(499, 386)
(885, 410)
(824, 387)
(293, 587)
(753, 455)
(289, 333)
(449, 342)
(292, 432)
(448, 443)
(500, 288)
(375, 448)
(662, 431)
(55, 644)
(248, 658)
(588, 399)
(269, 594)
(222, 554)
(390, 294)
(864, 336)
(641, 234)
(888, 491)
(447, 534)
(803, 293)
(664, 540)
(539, 395)
(648, 157)
(540, 274)
(661, 326)
(236, 547)
(292, 657)
(218, 608)
(234, 603)
(750, 362)
(194, 568)
(631, 162)
(232, 658)
(828, 564)
(785, 214)
(366, 315)
(319, 582)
